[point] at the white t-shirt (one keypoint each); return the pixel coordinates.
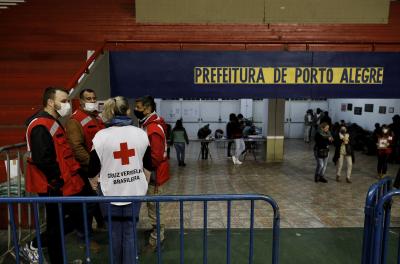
(121, 151)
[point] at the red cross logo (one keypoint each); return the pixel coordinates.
(124, 153)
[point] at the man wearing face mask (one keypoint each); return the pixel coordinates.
(154, 125)
(52, 171)
(81, 129)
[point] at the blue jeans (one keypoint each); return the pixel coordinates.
(123, 242)
(180, 152)
(321, 164)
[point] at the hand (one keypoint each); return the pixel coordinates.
(56, 185)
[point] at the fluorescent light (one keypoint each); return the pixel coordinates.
(7, 4)
(12, 1)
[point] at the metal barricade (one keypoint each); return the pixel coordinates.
(229, 198)
(375, 192)
(14, 185)
(381, 226)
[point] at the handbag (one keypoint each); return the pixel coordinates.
(322, 153)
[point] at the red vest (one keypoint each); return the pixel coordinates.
(36, 181)
(162, 171)
(90, 125)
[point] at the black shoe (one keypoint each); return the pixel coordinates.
(183, 164)
(316, 178)
(322, 179)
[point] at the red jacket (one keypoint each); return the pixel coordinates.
(156, 130)
(36, 180)
(90, 125)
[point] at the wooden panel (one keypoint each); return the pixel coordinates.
(339, 47)
(216, 47)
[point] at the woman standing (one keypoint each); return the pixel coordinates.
(323, 138)
(178, 139)
(343, 151)
(237, 136)
(121, 154)
(384, 146)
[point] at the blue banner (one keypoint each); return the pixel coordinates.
(231, 75)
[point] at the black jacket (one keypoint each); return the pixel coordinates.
(42, 148)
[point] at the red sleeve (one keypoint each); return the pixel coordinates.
(157, 149)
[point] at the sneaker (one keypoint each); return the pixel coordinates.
(348, 180)
(30, 253)
(337, 178)
(322, 179)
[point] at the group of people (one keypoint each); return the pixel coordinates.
(386, 138)
(313, 120)
(96, 155)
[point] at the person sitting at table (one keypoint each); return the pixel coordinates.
(203, 133)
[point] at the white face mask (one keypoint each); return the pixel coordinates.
(385, 131)
(64, 110)
(91, 107)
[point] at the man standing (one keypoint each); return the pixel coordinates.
(52, 169)
(81, 129)
(154, 125)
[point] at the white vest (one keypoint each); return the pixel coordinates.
(121, 151)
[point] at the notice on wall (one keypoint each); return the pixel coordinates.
(288, 75)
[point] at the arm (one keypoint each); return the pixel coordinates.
(147, 166)
(186, 136)
(44, 154)
(94, 164)
(157, 149)
(76, 140)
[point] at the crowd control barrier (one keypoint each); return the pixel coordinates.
(375, 192)
(381, 226)
(229, 198)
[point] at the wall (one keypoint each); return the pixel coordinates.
(366, 119)
(262, 11)
(98, 78)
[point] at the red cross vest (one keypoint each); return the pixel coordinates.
(36, 181)
(162, 171)
(90, 125)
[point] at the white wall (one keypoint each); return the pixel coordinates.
(367, 119)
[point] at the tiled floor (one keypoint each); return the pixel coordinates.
(303, 203)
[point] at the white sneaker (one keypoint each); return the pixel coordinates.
(234, 159)
(238, 162)
(30, 253)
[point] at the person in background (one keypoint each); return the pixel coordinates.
(203, 133)
(154, 125)
(229, 128)
(325, 118)
(395, 128)
(323, 139)
(384, 146)
(81, 129)
(178, 139)
(52, 171)
(237, 135)
(124, 150)
(343, 151)
(168, 135)
(308, 118)
(316, 121)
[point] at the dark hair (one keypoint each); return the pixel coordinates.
(147, 101)
(50, 92)
(178, 124)
(85, 90)
(239, 116)
(232, 117)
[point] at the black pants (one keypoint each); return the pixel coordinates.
(204, 150)
(230, 143)
(51, 238)
(382, 163)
